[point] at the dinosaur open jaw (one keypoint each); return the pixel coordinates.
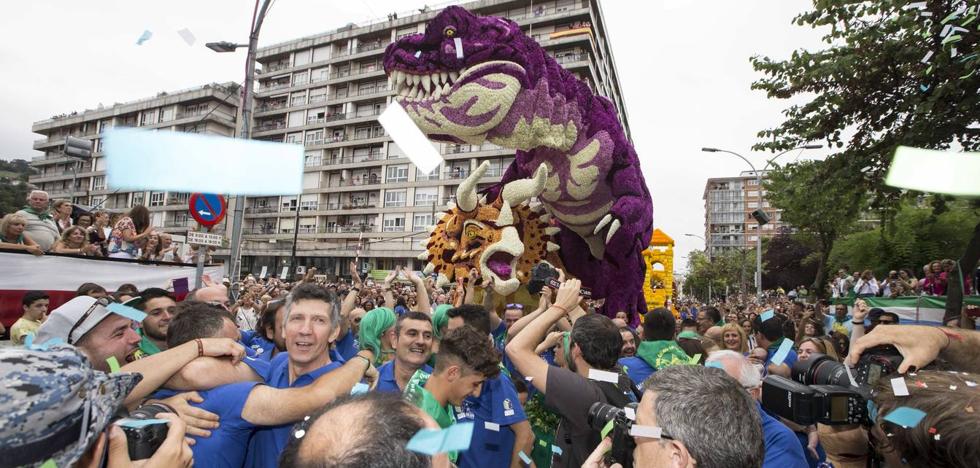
(422, 87)
(501, 264)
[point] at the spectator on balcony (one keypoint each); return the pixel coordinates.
(61, 213)
(129, 233)
(168, 250)
(40, 227)
(98, 232)
(152, 248)
(13, 235)
(74, 241)
(867, 285)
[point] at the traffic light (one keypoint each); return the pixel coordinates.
(78, 148)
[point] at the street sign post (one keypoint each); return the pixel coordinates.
(207, 209)
(202, 240)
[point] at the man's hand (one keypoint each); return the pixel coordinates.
(199, 422)
(175, 451)
(595, 460)
(219, 347)
(860, 311)
(35, 250)
(391, 277)
(372, 376)
(355, 278)
(545, 300)
(569, 294)
(918, 344)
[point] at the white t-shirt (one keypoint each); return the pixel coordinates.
(246, 319)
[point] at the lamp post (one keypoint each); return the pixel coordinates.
(758, 181)
(245, 133)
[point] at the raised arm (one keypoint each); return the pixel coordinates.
(205, 373)
(521, 347)
(488, 303)
(421, 293)
(543, 303)
(267, 406)
(389, 297)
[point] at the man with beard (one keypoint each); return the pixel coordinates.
(160, 308)
(629, 342)
(413, 346)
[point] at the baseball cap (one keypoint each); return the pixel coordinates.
(53, 404)
(76, 316)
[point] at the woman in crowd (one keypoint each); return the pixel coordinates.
(808, 346)
(152, 250)
(12, 235)
(129, 233)
(84, 221)
(168, 250)
(809, 328)
(74, 241)
(907, 277)
(99, 231)
(734, 338)
(61, 212)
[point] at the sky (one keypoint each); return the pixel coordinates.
(683, 67)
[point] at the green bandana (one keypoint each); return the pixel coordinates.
(416, 394)
(689, 335)
(661, 354)
(44, 215)
(148, 347)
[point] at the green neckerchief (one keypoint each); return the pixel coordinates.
(44, 215)
(720, 323)
(661, 354)
(416, 394)
(147, 346)
(689, 335)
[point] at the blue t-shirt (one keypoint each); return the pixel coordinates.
(498, 404)
(637, 369)
(791, 356)
(347, 346)
(386, 377)
(830, 320)
(782, 447)
(261, 347)
(500, 336)
(227, 444)
(267, 443)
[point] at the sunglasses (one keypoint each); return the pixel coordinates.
(103, 302)
(515, 306)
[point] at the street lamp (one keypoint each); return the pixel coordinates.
(758, 181)
(245, 132)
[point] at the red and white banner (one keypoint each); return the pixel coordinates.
(61, 275)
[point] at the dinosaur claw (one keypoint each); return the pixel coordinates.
(602, 224)
(612, 230)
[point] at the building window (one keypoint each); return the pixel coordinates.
(426, 196)
(395, 198)
(752, 193)
(752, 204)
(397, 173)
(157, 198)
(138, 198)
(394, 223)
(98, 183)
(753, 238)
(421, 221)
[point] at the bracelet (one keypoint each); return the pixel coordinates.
(368, 361)
(200, 347)
(857, 323)
(562, 309)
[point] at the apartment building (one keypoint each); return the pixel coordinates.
(362, 197)
(210, 109)
(728, 206)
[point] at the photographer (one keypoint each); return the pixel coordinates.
(703, 417)
(594, 343)
(54, 407)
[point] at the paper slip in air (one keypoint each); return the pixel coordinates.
(603, 376)
(935, 171)
(409, 138)
(898, 387)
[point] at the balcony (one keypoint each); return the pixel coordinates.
(370, 46)
(262, 209)
(179, 223)
(310, 207)
(572, 58)
(348, 228)
(270, 126)
(318, 98)
(274, 67)
(456, 173)
(307, 230)
(269, 229)
(274, 86)
(358, 205)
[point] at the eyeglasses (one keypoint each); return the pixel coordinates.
(102, 301)
(515, 306)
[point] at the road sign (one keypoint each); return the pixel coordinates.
(204, 238)
(207, 209)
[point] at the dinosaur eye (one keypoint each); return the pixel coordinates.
(449, 31)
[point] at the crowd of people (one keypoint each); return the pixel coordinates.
(46, 226)
(347, 372)
(898, 283)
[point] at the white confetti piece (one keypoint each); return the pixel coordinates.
(899, 388)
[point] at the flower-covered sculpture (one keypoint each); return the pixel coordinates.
(470, 79)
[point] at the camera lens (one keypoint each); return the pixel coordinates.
(601, 413)
(819, 370)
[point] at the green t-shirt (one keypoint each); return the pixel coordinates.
(147, 347)
(416, 394)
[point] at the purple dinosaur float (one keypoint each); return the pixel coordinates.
(470, 79)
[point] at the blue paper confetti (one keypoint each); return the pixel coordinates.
(905, 416)
(556, 450)
(715, 364)
(30, 344)
(359, 388)
(137, 423)
(767, 315)
(872, 410)
(144, 37)
(455, 438)
(780, 354)
(524, 458)
(127, 311)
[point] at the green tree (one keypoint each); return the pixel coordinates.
(821, 206)
(13, 184)
(732, 269)
(888, 76)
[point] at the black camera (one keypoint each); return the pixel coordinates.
(543, 274)
(821, 392)
(600, 414)
(143, 440)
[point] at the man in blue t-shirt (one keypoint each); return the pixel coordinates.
(500, 430)
(413, 346)
(243, 407)
(658, 348)
(769, 336)
(267, 340)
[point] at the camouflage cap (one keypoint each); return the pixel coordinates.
(53, 405)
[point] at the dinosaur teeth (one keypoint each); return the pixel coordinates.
(453, 76)
(443, 77)
(437, 93)
(426, 82)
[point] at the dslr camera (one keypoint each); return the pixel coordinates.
(143, 440)
(821, 392)
(600, 414)
(543, 274)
